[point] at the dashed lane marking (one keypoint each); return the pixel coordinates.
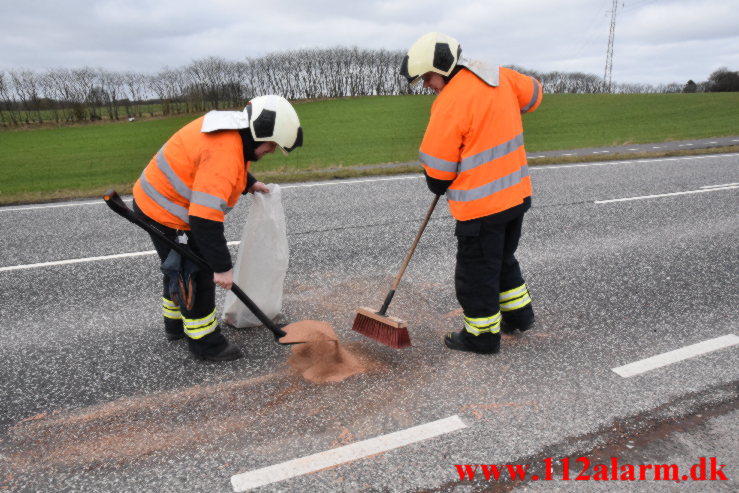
(670, 357)
(644, 197)
(347, 453)
(630, 161)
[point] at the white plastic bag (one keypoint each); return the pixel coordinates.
(261, 264)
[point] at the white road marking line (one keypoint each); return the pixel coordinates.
(724, 185)
(656, 147)
(663, 195)
(664, 359)
(76, 261)
(49, 206)
(568, 154)
(129, 199)
(349, 182)
(347, 453)
(713, 142)
(86, 259)
(633, 149)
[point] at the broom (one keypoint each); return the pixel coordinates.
(379, 326)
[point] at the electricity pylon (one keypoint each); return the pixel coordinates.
(609, 52)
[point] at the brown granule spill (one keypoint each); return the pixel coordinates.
(308, 330)
(320, 358)
(118, 432)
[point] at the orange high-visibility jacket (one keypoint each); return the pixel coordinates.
(475, 138)
(193, 174)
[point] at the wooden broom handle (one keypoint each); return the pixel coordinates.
(415, 242)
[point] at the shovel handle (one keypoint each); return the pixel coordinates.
(115, 202)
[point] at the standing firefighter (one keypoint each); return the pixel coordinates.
(473, 151)
(186, 190)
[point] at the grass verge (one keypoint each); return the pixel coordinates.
(74, 162)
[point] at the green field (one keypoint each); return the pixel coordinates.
(85, 160)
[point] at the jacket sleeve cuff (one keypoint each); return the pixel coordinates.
(438, 187)
(250, 181)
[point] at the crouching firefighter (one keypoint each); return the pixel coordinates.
(185, 192)
(473, 151)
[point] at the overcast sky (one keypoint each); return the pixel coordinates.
(656, 41)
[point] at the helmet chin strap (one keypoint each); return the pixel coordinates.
(250, 145)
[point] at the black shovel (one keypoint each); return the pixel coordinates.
(115, 202)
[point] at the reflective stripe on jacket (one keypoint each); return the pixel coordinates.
(475, 138)
(193, 174)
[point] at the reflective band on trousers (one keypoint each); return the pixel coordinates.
(484, 325)
(515, 298)
(491, 154)
(195, 328)
(170, 310)
(489, 188)
(534, 98)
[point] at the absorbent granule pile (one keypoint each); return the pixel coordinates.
(320, 358)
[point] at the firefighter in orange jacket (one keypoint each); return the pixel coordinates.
(473, 151)
(186, 190)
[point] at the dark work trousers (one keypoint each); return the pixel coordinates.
(205, 290)
(486, 263)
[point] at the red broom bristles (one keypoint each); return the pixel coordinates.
(385, 333)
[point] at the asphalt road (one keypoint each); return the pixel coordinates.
(95, 399)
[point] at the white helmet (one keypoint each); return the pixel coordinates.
(432, 52)
(273, 119)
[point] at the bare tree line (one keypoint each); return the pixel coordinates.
(63, 95)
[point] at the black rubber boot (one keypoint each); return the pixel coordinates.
(214, 347)
(464, 341)
(173, 329)
(522, 319)
(228, 353)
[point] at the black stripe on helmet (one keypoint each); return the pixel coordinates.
(264, 125)
(404, 71)
(443, 57)
(298, 140)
